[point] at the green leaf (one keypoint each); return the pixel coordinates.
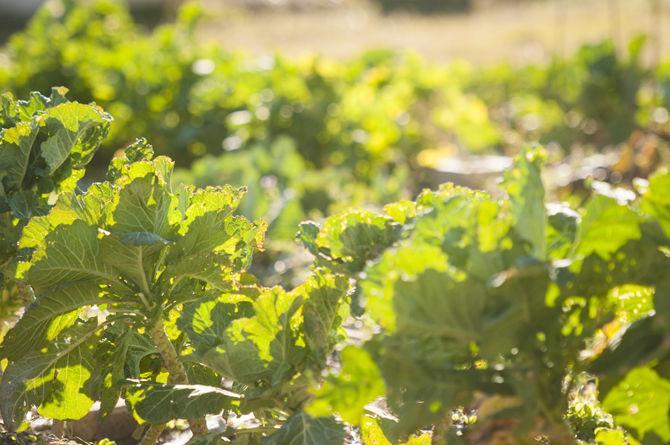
(126, 353)
(70, 133)
(523, 184)
(606, 226)
(641, 403)
(144, 204)
(611, 437)
(206, 268)
(379, 287)
(372, 433)
(205, 321)
(54, 379)
(162, 403)
(639, 343)
(358, 383)
(324, 310)
(206, 219)
(355, 237)
(42, 321)
(263, 346)
(140, 150)
(437, 303)
(302, 429)
(656, 200)
(561, 230)
(75, 131)
(15, 147)
(71, 253)
(212, 237)
(133, 255)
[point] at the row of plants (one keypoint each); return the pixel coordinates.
(361, 124)
(549, 318)
(139, 289)
(478, 313)
(196, 99)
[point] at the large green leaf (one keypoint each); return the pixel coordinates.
(54, 379)
(523, 184)
(133, 255)
(358, 383)
(144, 203)
(606, 226)
(205, 321)
(323, 311)
(213, 238)
(656, 200)
(263, 346)
(71, 253)
(75, 131)
(48, 316)
(119, 356)
(15, 147)
(69, 132)
(162, 403)
(436, 303)
(302, 429)
(352, 238)
(641, 404)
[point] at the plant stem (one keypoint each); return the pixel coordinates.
(177, 376)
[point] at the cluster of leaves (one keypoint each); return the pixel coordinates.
(522, 301)
(552, 318)
(45, 143)
(193, 99)
(141, 291)
(283, 191)
(306, 135)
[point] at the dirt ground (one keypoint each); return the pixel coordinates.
(518, 31)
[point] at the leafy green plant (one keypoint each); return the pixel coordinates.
(141, 291)
(45, 143)
(368, 115)
(508, 298)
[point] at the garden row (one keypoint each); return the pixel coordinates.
(550, 318)
(305, 135)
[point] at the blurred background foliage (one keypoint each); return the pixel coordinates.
(305, 133)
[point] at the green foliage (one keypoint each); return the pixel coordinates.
(141, 291)
(140, 286)
(132, 248)
(346, 393)
(302, 429)
(475, 295)
(162, 403)
(270, 343)
(45, 143)
(367, 115)
(640, 403)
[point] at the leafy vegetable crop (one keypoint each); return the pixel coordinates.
(379, 109)
(513, 300)
(361, 131)
(45, 143)
(468, 314)
(140, 290)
